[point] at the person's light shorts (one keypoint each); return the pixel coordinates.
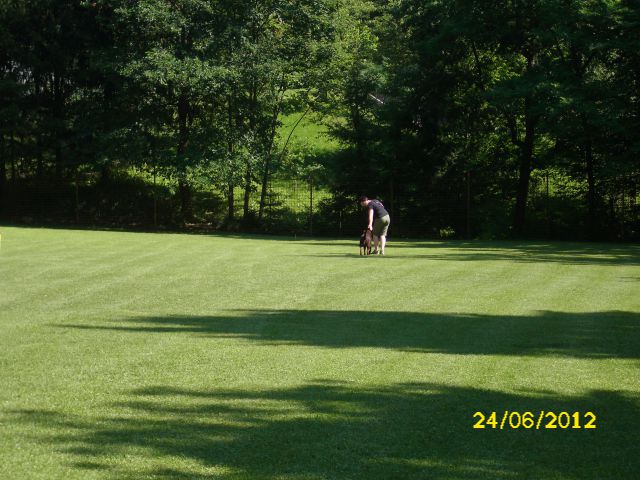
(381, 225)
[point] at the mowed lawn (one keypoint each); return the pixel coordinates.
(141, 355)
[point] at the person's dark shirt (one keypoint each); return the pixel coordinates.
(378, 208)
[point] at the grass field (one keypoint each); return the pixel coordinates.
(138, 356)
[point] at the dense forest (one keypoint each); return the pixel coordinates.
(468, 118)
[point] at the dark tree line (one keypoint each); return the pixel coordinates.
(506, 93)
(441, 108)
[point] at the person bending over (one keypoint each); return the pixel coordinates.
(379, 221)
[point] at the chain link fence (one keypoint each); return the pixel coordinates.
(467, 205)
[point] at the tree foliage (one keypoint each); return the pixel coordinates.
(434, 104)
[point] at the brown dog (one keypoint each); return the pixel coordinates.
(365, 242)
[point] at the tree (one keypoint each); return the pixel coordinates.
(169, 50)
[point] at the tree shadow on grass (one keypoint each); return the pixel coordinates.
(329, 430)
(608, 334)
(565, 253)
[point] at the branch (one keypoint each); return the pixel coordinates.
(284, 149)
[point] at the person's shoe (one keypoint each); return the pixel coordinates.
(381, 252)
(375, 252)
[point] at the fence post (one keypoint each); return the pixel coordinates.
(622, 210)
(468, 204)
(77, 197)
(633, 197)
(269, 199)
(310, 205)
(546, 206)
(155, 197)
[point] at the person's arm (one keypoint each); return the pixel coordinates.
(370, 227)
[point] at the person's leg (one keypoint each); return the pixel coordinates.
(382, 233)
(376, 234)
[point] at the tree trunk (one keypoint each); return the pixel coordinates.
(12, 158)
(591, 193)
(39, 161)
(230, 203)
(40, 134)
(184, 189)
(105, 173)
(58, 156)
(267, 161)
(247, 193)
(265, 181)
(186, 203)
(230, 199)
(253, 107)
(359, 137)
(58, 115)
(524, 174)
